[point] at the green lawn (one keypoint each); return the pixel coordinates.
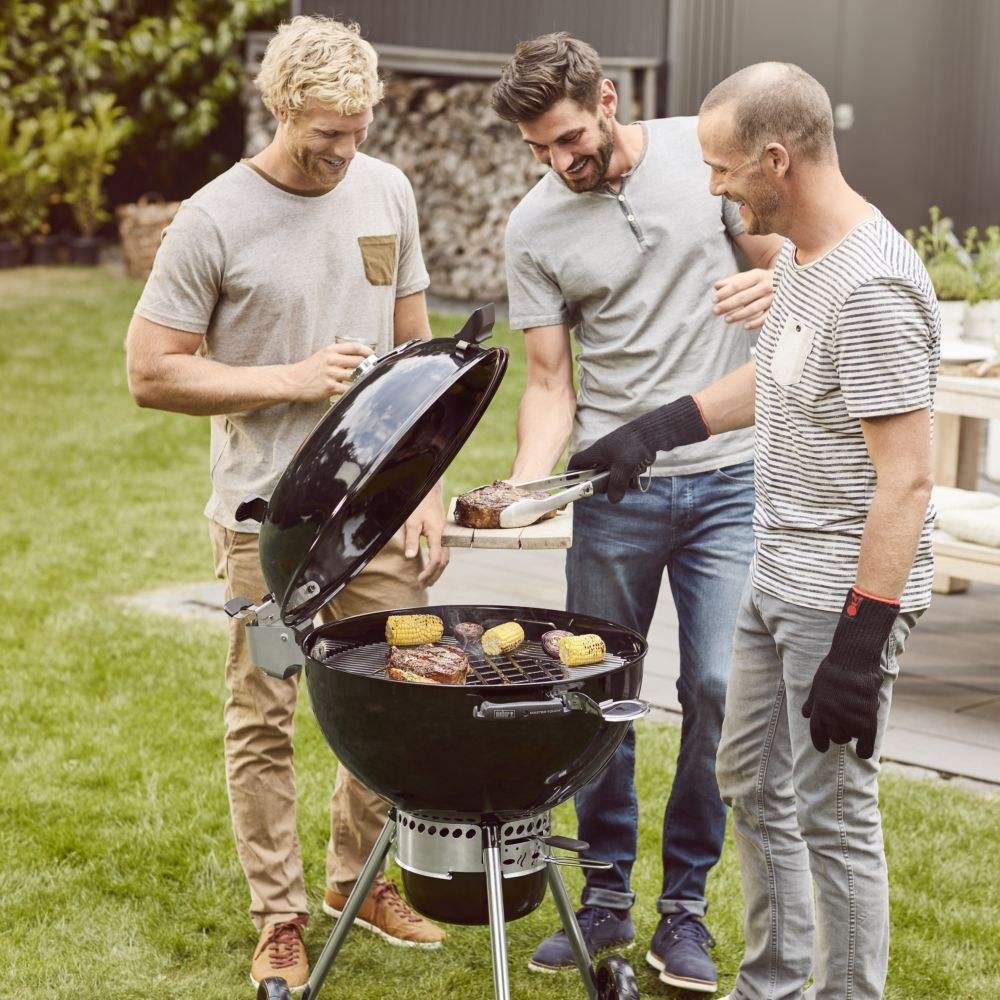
(118, 875)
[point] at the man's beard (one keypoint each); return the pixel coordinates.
(599, 160)
(310, 164)
(763, 206)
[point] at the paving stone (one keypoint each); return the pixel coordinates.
(946, 706)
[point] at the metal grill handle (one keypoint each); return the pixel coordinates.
(564, 702)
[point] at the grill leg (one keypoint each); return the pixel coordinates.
(572, 929)
(498, 928)
(351, 907)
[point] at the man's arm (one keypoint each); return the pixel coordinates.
(900, 449)
(409, 319)
(410, 322)
(548, 404)
(746, 296)
(166, 373)
(728, 404)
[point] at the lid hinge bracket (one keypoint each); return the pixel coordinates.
(274, 646)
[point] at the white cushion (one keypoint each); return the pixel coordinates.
(980, 527)
(948, 498)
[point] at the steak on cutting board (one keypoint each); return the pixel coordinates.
(427, 664)
(481, 508)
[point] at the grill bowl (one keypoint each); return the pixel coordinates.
(420, 745)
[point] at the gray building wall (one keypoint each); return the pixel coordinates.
(635, 28)
(919, 78)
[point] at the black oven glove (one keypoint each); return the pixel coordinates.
(843, 701)
(631, 449)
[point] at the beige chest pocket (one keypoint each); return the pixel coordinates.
(379, 256)
(790, 352)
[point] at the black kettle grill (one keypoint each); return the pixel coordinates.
(471, 770)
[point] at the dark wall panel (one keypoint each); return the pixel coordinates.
(635, 28)
(921, 76)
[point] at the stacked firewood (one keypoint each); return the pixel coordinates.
(468, 169)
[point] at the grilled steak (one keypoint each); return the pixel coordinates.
(481, 508)
(427, 664)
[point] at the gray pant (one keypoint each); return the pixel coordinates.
(802, 818)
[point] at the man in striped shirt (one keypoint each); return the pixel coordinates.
(842, 388)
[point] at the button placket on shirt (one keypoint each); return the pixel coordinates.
(629, 214)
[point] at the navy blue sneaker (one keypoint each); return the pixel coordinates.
(679, 952)
(601, 929)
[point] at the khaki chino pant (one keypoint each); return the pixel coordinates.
(259, 713)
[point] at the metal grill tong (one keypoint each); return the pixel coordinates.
(570, 486)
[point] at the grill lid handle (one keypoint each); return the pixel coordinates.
(561, 704)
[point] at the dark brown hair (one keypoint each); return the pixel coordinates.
(543, 72)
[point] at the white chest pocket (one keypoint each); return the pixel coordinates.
(790, 352)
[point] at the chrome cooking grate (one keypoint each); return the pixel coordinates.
(529, 664)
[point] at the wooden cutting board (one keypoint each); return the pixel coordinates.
(555, 533)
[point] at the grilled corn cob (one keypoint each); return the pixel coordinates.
(502, 638)
(581, 650)
(412, 630)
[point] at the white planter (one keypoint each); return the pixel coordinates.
(952, 319)
(982, 322)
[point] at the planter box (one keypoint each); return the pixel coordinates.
(952, 319)
(982, 323)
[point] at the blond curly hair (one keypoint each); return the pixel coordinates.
(320, 58)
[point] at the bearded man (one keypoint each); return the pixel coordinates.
(264, 290)
(622, 243)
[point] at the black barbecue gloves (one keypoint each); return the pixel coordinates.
(628, 451)
(843, 701)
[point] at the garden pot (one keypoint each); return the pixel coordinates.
(952, 319)
(45, 250)
(84, 250)
(10, 253)
(982, 322)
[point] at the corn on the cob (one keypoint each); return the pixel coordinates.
(502, 638)
(412, 630)
(581, 650)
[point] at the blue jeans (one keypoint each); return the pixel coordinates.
(698, 529)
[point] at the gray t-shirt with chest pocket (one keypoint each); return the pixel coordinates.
(632, 271)
(270, 276)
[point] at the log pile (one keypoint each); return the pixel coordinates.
(468, 169)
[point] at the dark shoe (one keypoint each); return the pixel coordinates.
(601, 929)
(680, 952)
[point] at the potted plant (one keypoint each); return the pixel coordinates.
(982, 318)
(88, 151)
(27, 182)
(949, 268)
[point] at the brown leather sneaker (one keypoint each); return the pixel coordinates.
(385, 912)
(281, 952)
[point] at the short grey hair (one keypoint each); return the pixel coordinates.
(778, 102)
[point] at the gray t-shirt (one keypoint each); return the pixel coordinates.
(271, 276)
(632, 272)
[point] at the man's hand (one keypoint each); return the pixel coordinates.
(744, 297)
(628, 451)
(427, 521)
(844, 698)
(326, 373)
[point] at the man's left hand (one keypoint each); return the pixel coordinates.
(843, 701)
(744, 297)
(427, 521)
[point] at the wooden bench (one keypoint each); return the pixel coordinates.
(962, 407)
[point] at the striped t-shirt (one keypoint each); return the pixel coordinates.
(854, 334)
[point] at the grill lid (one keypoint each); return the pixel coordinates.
(370, 461)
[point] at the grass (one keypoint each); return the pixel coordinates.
(119, 876)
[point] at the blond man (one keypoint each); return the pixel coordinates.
(265, 289)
